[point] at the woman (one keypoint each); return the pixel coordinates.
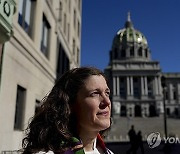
(73, 116)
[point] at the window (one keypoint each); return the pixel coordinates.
(146, 53)
(140, 52)
(136, 92)
(168, 111)
(122, 92)
(135, 80)
(123, 53)
(174, 95)
(68, 37)
(74, 46)
(136, 88)
(45, 36)
(166, 95)
(62, 62)
(60, 11)
(64, 23)
(78, 55)
(123, 111)
(150, 92)
(124, 37)
(138, 111)
(20, 105)
(78, 31)
(74, 18)
(150, 86)
(25, 15)
(115, 53)
(122, 87)
(176, 112)
(122, 80)
(132, 51)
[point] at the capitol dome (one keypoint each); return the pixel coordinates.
(130, 43)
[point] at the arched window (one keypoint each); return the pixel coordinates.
(115, 53)
(176, 112)
(123, 53)
(146, 53)
(140, 52)
(137, 111)
(123, 110)
(152, 111)
(132, 51)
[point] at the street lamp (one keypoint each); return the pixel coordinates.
(163, 81)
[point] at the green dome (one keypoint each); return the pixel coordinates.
(130, 44)
(129, 35)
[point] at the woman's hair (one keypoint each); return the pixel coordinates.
(52, 128)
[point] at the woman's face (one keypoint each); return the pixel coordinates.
(93, 105)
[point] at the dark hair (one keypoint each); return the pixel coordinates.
(52, 127)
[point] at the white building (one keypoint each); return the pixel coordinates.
(172, 94)
(46, 43)
(136, 78)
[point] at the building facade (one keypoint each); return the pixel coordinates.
(7, 10)
(136, 79)
(172, 94)
(45, 44)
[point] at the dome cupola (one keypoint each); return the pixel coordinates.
(130, 43)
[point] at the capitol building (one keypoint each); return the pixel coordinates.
(136, 79)
(140, 90)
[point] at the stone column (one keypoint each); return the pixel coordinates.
(114, 85)
(145, 86)
(128, 86)
(170, 91)
(117, 83)
(155, 83)
(178, 89)
(142, 85)
(178, 92)
(131, 86)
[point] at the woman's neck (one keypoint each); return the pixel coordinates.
(88, 139)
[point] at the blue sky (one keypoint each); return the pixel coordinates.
(158, 20)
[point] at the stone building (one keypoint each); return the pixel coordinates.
(7, 10)
(46, 42)
(172, 94)
(136, 79)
